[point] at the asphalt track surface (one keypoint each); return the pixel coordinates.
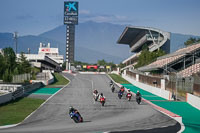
(116, 116)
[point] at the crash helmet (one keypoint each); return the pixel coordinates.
(129, 90)
(137, 91)
(101, 94)
(70, 107)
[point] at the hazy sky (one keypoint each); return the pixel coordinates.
(32, 17)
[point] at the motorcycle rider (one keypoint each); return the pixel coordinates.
(111, 82)
(75, 111)
(113, 88)
(95, 94)
(72, 109)
(138, 96)
(122, 89)
(95, 91)
(128, 93)
(102, 97)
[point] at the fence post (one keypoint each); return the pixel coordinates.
(137, 77)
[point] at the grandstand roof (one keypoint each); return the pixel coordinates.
(167, 59)
(136, 37)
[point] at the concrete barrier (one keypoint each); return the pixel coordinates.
(193, 100)
(6, 88)
(32, 87)
(157, 91)
(19, 92)
(92, 72)
(5, 97)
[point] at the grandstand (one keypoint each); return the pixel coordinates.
(184, 62)
(138, 37)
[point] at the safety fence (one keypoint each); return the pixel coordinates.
(21, 78)
(177, 85)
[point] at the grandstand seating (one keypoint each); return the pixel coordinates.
(190, 70)
(178, 54)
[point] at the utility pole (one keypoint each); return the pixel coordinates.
(15, 36)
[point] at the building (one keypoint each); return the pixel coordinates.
(46, 59)
(51, 52)
(1, 52)
(139, 37)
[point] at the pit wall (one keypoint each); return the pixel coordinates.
(154, 90)
(193, 100)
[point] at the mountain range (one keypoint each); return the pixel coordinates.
(93, 41)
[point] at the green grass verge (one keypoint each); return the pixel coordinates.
(58, 80)
(118, 79)
(16, 111)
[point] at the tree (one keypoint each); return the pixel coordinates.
(7, 77)
(10, 59)
(2, 66)
(192, 40)
(146, 57)
(101, 62)
(121, 65)
(24, 65)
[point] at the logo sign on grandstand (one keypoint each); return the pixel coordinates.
(45, 50)
(92, 66)
(70, 12)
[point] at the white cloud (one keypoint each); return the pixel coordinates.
(86, 15)
(84, 12)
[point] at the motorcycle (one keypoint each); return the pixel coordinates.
(102, 101)
(120, 94)
(138, 99)
(95, 96)
(112, 88)
(128, 96)
(76, 117)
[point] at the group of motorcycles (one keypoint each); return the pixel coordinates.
(75, 115)
(128, 95)
(101, 98)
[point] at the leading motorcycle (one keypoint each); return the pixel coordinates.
(76, 116)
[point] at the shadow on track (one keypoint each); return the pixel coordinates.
(169, 129)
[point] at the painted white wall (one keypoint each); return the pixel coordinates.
(137, 77)
(193, 100)
(46, 82)
(163, 84)
(157, 91)
(115, 72)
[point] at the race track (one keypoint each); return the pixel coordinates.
(117, 115)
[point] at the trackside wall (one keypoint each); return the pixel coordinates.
(5, 97)
(193, 100)
(19, 92)
(154, 90)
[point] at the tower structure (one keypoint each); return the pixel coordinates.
(70, 20)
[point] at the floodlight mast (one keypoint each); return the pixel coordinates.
(15, 36)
